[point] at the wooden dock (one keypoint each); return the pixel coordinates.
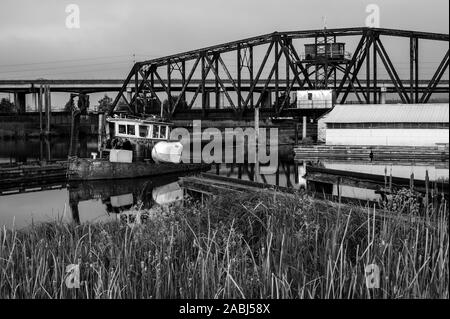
(211, 184)
(364, 152)
(371, 181)
(214, 185)
(32, 176)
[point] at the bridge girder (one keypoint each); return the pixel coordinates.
(147, 77)
(242, 83)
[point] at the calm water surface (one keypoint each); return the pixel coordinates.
(106, 200)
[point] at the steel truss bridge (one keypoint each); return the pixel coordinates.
(248, 82)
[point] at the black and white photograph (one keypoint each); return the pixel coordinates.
(224, 158)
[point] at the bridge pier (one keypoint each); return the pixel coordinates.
(20, 102)
(35, 100)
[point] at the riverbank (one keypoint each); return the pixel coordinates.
(235, 246)
(26, 125)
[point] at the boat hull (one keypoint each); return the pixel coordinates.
(101, 169)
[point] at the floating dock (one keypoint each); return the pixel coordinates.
(37, 176)
(211, 184)
(364, 152)
(26, 177)
(372, 181)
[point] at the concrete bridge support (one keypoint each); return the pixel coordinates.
(20, 102)
(35, 101)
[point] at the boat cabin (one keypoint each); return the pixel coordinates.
(132, 139)
(141, 129)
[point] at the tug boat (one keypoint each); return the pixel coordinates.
(133, 147)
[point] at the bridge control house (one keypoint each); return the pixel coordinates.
(386, 124)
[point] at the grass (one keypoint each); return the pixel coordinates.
(238, 246)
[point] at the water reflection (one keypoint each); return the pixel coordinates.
(286, 173)
(363, 180)
(367, 185)
(105, 200)
(38, 149)
(121, 196)
(91, 201)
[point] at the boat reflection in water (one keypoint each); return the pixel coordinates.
(128, 199)
(139, 213)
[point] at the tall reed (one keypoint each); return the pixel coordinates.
(237, 246)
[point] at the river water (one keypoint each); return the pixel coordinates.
(106, 200)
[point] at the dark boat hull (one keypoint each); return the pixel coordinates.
(101, 169)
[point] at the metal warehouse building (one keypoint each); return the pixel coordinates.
(386, 124)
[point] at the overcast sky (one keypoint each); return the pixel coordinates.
(111, 31)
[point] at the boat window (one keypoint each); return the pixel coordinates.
(112, 129)
(150, 131)
(131, 130)
(122, 129)
(155, 131)
(162, 134)
(143, 130)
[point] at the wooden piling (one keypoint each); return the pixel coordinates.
(49, 150)
(48, 108)
(49, 119)
(100, 132)
(390, 180)
(35, 94)
(41, 148)
(411, 182)
(45, 107)
(304, 128)
(257, 144)
(41, 92)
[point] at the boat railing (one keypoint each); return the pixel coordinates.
(144, 117)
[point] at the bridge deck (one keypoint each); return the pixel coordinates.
(114, 85)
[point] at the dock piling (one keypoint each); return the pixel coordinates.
(48, 108)
(257, 177)
(304, 128)
(41, 92)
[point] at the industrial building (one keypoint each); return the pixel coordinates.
(386, 124)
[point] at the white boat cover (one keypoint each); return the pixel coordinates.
(167, 152)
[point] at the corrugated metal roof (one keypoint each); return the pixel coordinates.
(391, 113)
